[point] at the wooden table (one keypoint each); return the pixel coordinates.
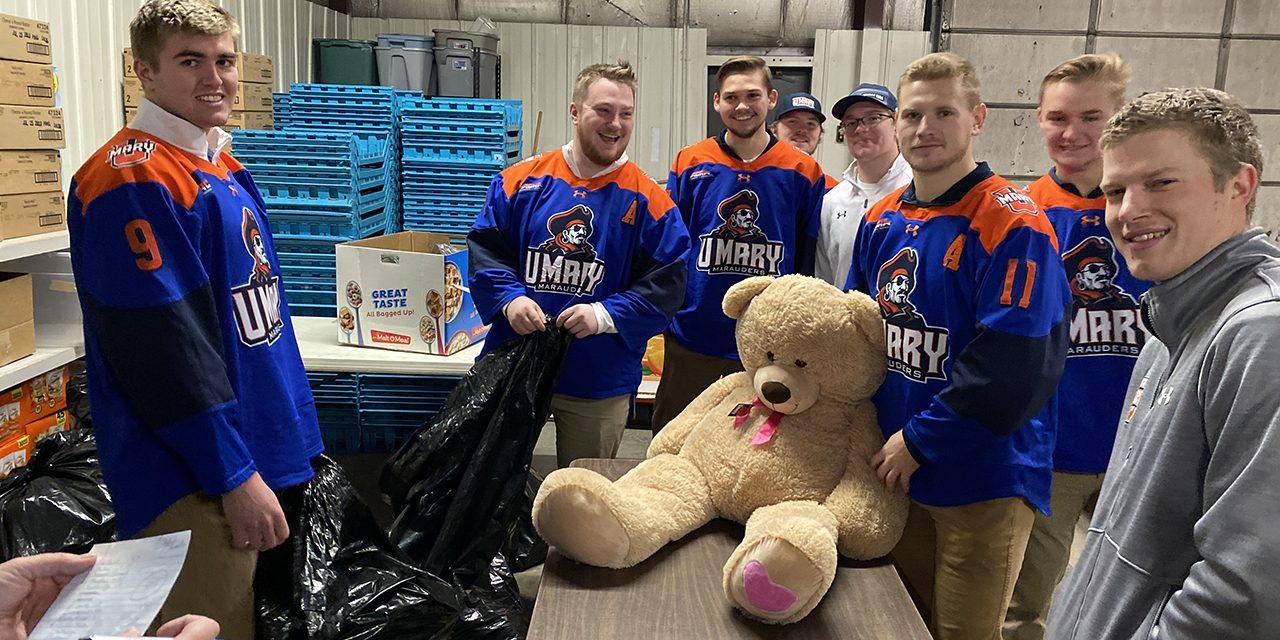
(677, 595)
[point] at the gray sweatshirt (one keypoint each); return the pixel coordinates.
(1185, 540)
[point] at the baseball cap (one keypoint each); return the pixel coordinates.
(799, 101)
(866, 92)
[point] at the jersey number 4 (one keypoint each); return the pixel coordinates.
(146, 254)
(1011, 275)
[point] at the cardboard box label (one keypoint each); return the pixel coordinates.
(30, 172)
(26, 84)
(32, 128)
(400, 292)
(25, 40)
(27, 214)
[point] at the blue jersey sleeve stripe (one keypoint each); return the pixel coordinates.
(1003, 380)
(167, 360)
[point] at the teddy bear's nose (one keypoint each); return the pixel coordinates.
(775, 392)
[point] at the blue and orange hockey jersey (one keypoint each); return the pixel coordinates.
(757, 218)
(563, 240)
(193, 367)
(974, 300)
(1106, 332)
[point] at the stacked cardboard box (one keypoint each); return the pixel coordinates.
(253, 100)
(31, 412)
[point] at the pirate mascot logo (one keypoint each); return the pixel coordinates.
(914, 349)
(257, 302)
(738, 245)
(1104, 317)
(566, 262)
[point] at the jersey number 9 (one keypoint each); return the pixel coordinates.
(142, 242)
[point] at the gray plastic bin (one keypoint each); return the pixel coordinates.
(467, 64)
(404, 65)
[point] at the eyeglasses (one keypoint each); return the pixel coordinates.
(870, 121)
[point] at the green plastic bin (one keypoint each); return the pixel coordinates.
(341, 61)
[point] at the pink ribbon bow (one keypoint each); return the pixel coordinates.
(765, 433)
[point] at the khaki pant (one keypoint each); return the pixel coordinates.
(1048, 551)
(685, 374)
(588, 428)
(960, 564)
(216, 579)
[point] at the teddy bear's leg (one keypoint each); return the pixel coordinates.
(786, 562)
(619, 524)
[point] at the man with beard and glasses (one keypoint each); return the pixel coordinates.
(1076, 99)
(582, 234)
(975, 338)
(751, 206)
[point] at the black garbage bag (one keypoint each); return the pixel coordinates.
(58, 502)
(78, 395)
(459, 485)
(340, 578)
(525, 549)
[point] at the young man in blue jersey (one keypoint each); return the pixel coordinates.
(580, 234)
(752, 207)
(967, 273)
(201, 407)
(1076, 99)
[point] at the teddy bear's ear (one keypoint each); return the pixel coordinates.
(740, 295)
(865, 315)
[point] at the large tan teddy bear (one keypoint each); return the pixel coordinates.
(782, 447)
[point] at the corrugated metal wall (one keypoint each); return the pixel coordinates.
(88, 36)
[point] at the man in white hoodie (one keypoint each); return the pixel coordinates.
(866, 119)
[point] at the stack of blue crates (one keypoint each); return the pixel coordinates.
(280, 110)
(375, 413)
(321, 189)
(452, 147)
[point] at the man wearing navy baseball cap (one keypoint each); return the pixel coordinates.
(866, 119)
(798, 121)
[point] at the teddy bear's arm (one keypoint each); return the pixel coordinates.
(672, 436)
(871, 516)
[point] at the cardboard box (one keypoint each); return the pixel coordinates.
(26, 84)
(47, 426)
(26, 214)
(14, 453)
(30, 172)
(44, 395)
(400, 292)
(258, 120)
(127, 63)
(249, 97)
(25, 40)
(17, 322)
(256, 68)
(32, 128)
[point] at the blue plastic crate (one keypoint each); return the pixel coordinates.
(340, 439)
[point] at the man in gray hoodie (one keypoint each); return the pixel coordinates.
(1185, 540)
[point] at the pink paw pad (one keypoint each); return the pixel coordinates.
(762, 592)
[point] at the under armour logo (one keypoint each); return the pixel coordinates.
(742, 177)
(580, 193)
(913, 229)
(1091, 221)
(1165, 395)
(840, 214)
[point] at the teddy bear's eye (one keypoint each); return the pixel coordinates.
(769, 355)
(801, 363)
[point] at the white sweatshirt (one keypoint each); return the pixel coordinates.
(842, 211)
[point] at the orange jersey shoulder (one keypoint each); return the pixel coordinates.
(1048, 193)
(996, 207)
(132, 156)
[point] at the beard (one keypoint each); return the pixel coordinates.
(593, 151)
(744, 130)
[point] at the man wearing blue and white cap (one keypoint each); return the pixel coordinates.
(798, 121)
(866, 118)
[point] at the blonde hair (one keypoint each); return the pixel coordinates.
(743, 65)
(157, 19)
(1108, 69)
(944, 66)
(621, 73)
(1219, 127)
